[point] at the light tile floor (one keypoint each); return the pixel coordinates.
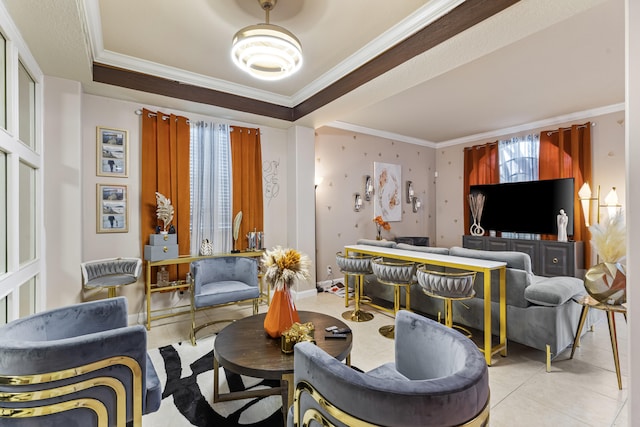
(578, 392)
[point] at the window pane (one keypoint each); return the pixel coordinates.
(28, 298)
(26, 105)
(27, 201)
(4, 314)
(3, 212)
(3, 83)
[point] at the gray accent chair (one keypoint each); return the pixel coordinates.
(221, 281)
(110, 273)
(439, 378)
(85, 363)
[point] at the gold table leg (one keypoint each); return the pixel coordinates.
(614, 344)
(576, 340)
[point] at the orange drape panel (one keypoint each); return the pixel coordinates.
(566, 153)
(165, 168)
(480, 167)
(246, 160)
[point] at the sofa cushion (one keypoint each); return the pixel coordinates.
(382, 243)
(410, 240)
(554, 291)
(429, 249)
(519, 260)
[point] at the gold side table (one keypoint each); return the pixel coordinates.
(588, 302)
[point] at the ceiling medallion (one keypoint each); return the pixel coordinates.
(267, 51)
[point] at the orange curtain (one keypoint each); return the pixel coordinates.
(480, 167)
(165, 168)
(566, 153)
(246, 161)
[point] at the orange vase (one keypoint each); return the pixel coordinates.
(282, 313)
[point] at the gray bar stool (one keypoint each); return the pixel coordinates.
(356, 265)
(448, 287)
(400, 275)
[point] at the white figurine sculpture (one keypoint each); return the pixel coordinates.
(563, 220)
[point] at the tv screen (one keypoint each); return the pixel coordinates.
(526, 207)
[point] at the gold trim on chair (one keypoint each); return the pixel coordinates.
(117, 386)
(38, 411)
(313, 414)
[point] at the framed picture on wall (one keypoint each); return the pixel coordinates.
(388, 191)
(111, 152)
(112, 210)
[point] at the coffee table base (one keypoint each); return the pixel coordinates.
(285, 390)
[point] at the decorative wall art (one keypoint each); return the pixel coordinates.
(111, 150)
(112, 209)
(388, 191)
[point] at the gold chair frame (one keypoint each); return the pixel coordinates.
(98, 407)
(448, 301)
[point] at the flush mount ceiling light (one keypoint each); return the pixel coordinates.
(267, 51)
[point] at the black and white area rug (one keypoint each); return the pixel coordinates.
(186, 374)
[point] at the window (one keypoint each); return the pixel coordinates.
(26, 107)
(3, 82)
(28, 297)
(20, 178)
(518, 161)
(519, 158)
(210, 186)
(27, 222)
(3, 211)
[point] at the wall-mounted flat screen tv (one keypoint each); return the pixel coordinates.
(526, 207)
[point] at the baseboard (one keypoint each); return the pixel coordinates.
(304, 294)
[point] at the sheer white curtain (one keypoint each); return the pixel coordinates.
(518, 161)
(210, 186)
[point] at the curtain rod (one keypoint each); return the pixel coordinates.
(569, 128)
(164, 116)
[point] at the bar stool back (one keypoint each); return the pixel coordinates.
(400, 275)
(448, 287)
(356, 265)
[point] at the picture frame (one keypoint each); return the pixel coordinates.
(388, 191)
(112, 212)
(112, 147)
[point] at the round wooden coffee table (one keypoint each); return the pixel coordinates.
(245, 348)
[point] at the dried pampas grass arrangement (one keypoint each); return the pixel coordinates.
(609, 239)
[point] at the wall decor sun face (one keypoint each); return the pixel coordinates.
(388, 191)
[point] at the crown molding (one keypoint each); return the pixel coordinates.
(413, 23)
(581, 115)
(382, 134)
(408, 26)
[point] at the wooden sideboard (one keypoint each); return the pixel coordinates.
(548, 257)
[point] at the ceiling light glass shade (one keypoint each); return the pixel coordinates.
(267, 51)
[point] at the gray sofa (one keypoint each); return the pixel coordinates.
(540, 310)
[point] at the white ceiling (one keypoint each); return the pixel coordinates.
(534, 61)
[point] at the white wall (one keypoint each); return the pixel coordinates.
(63, 208)
(632, 201)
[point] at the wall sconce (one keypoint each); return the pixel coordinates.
(368, 188)
(410, 191)
(416, 203)
(357, 205)
(611, 202)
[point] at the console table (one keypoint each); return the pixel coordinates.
(472, 264)
(152, 288)
(548, 257)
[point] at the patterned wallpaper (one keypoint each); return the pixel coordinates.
(343, 159)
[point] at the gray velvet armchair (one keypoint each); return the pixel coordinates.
(79, 365)
(220, 281)
(439, 378)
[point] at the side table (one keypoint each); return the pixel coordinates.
(588, 302)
